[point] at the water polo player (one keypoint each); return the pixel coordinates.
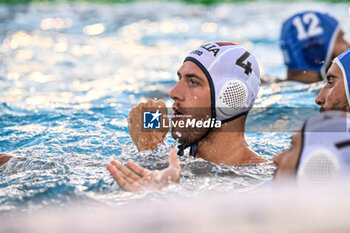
(217, 81)
(309, 41)
(335, 94)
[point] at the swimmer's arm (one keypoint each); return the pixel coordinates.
(146, 139)
(134, 178)
(4, 158)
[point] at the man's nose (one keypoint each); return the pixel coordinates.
(320, 97)
(176, 93)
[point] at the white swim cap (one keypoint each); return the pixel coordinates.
(325, 152)
(233, 75)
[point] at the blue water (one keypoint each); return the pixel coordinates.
(69, 74)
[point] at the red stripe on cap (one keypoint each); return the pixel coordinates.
(225, 43)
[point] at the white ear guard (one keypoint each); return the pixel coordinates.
(325, 149)
(321, 166)
(231, 99)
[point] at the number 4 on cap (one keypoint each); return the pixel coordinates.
(240, 62)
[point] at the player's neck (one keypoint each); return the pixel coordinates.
(227, 145)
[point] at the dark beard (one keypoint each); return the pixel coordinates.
(188, 136)
(340, 106)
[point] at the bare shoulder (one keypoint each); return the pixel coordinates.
(253, 157)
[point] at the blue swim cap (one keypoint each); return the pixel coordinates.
(307, 41)
(325, 151)
(343, 61)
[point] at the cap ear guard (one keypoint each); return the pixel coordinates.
(319, 167)
(232, 98)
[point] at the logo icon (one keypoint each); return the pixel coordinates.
(151, 120)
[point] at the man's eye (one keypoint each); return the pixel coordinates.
(330, 83)
(193, 82)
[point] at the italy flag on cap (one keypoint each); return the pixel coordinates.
(343, 61)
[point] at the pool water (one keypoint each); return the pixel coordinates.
(69, 74)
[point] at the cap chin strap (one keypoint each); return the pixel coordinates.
(194, 146)
(193, 150)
